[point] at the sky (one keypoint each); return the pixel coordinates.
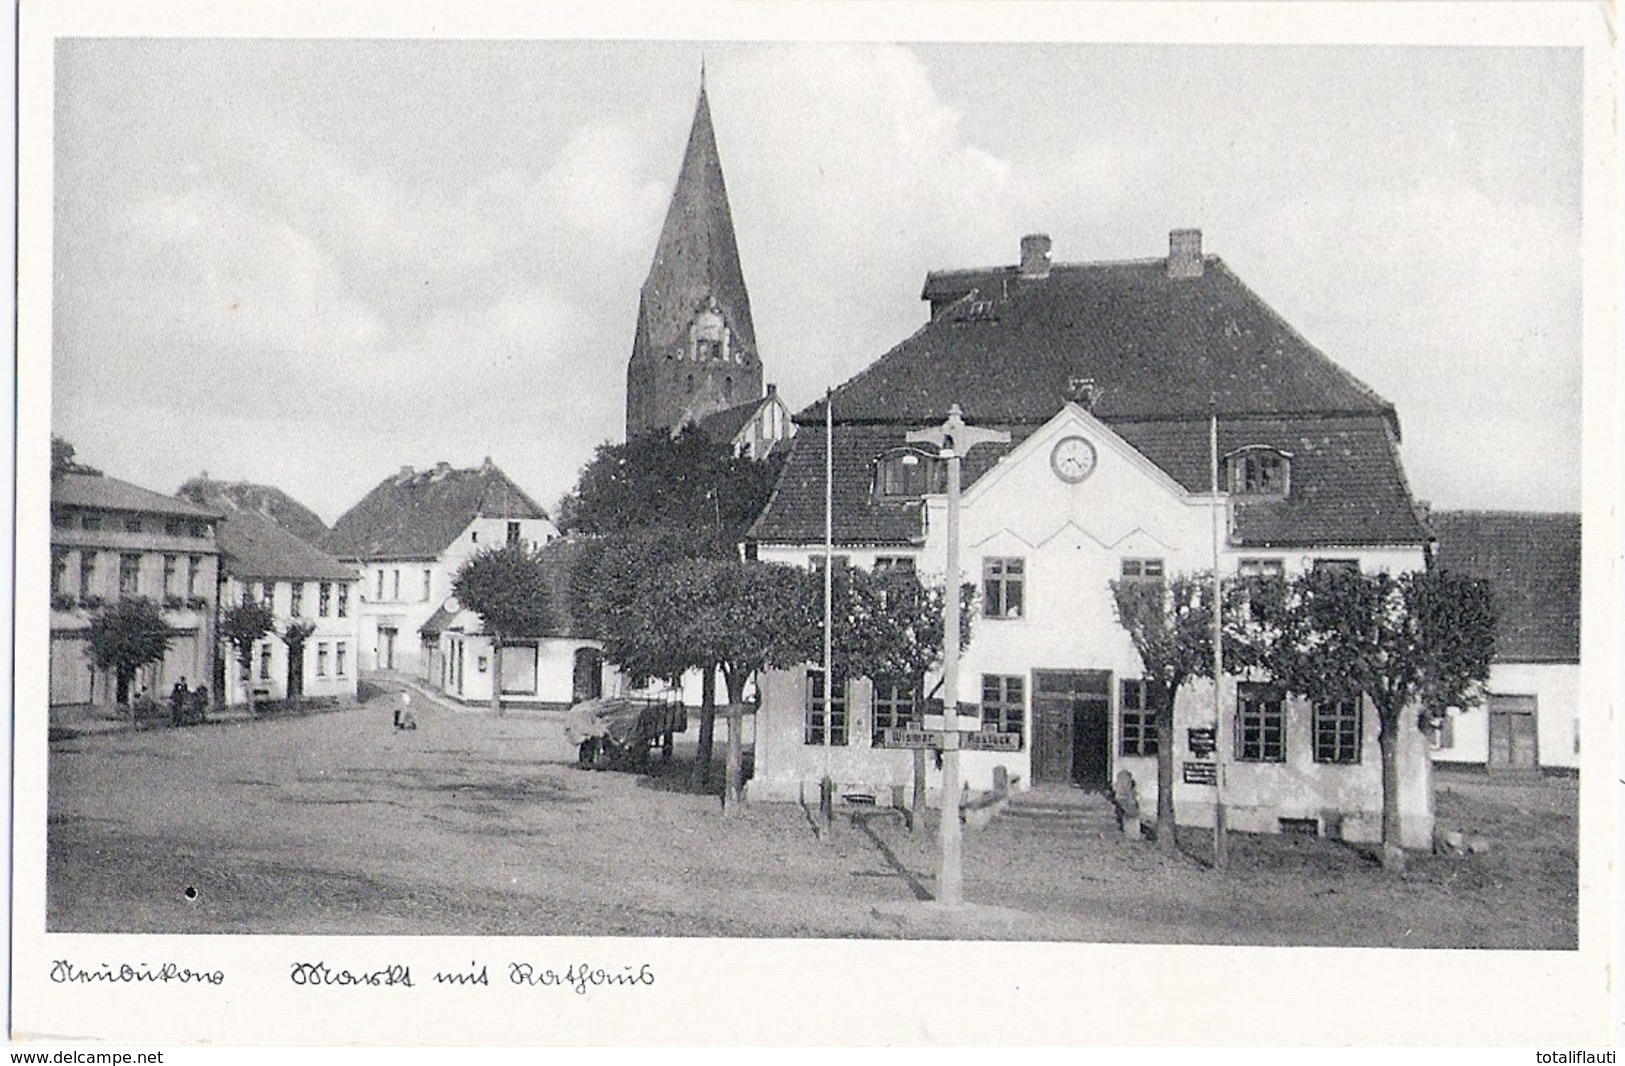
(310, 263)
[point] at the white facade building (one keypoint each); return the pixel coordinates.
(1105, 376)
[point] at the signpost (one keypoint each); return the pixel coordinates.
(953, 438)
(932, 740)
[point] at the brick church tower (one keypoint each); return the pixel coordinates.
(695, 350)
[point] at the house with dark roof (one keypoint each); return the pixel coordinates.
(300, 584)
(409, 535)
(1531, 715)
(753, 429)
(112, 540)
(1148, 403)
(553, 668)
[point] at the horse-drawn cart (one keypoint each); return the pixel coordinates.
(620, 731)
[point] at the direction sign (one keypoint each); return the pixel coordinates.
(990, 741)
(911, 738)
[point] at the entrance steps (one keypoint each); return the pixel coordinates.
(1091, 810)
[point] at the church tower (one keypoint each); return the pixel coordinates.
(695, 349)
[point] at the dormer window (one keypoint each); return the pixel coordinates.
(1259, 470)
(909, 474)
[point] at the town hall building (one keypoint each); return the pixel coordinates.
(1107, 377)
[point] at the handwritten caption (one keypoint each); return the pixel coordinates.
(579, 977)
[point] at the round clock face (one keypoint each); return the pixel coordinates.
(1073, 459)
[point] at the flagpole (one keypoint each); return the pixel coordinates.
(1221, 844)
(826, 790)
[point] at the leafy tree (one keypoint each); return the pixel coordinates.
(730, 616)
(63, 462)
(1421, 637)
(657, 480)
(125, 636)
(242, 626)
(1170, 624)
(507, 587)
(294, 635)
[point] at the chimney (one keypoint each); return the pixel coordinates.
(1035, 255)
(772, 389)
(1185, 253)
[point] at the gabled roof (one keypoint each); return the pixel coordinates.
(255, 547)
(1008, 349)
(236, 496)
(723, 426)
(1532, 562)
(416, 515)
(111, 494)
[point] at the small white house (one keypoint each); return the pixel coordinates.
(300, 584)
(1530, 719)
(409, 536)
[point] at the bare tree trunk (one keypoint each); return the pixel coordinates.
(1166, 830)
(708, 727)
(496, 676)
(1393, 851)
(734, 793)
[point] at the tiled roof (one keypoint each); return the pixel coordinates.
(272, 502)
(1154, 350)
(722, 426)
(416, 515)
(1346, 485)
(111, 494)
(256, 547)
(1008, 350)
(1532, 562)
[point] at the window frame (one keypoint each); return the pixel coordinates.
(897, 479)
(1343, 723)
(1266, 705)
(894, 704)
(1137, 735)
(814, 732)
(1001, 576)
(1245, 476)
(1143, 569)
(129, 574)
(324, 599)
(1006, 709)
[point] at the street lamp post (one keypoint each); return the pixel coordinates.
(953, 438)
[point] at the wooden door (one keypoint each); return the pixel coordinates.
(1052, 740)
(1072, 727)
(1513, 744)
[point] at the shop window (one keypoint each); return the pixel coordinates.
(1137, 722)
(814, 732)
(1337, 731)
(1002, 587)
(1004, 703)
(1261, 724)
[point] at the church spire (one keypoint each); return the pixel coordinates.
(695, 350)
